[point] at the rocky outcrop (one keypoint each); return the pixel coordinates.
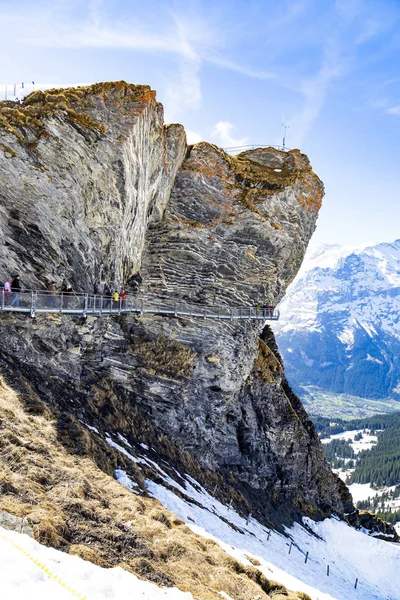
(83, 171)
(109, 194)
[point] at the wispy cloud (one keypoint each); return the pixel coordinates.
(393, 110)
(352, 24)
(182, 34)
(222, 134)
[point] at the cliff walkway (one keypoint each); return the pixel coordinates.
(37, 302)
(238, 149)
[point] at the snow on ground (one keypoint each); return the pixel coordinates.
(344, 474)
(362, 491)
(22, 578)
(350, 554)
(367, 441)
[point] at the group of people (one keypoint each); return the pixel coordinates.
(116, 297)
(13, 288)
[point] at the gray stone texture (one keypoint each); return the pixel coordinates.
(123, 200)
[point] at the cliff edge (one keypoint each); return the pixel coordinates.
(95, 188)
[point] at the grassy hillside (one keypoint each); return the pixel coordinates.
(74, 506)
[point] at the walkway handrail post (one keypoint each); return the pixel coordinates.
(119, 305)
(141, 306)
(61, 302)
(176, 309)
(2, 299)
(33, 303)
(85, 305)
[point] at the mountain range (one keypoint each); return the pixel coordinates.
(339, 331)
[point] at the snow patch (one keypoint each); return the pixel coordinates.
(22, 578)
(125, 480)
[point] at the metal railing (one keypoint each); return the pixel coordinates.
(238, 149)
(36, 302)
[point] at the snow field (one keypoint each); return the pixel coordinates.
(367, 441)
(30, 570)
(350, 554)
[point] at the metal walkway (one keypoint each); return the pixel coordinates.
(239, 149)
(34, 303)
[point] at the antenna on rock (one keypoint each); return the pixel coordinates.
(285, 128)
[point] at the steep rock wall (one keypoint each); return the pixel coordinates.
(111, 199)
(82, 173)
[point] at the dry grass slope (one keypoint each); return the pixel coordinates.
(72, 505)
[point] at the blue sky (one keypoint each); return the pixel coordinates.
(229, 69)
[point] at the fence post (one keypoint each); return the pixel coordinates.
(355, 585)
(248, 518)
(230, 504)
(327, 570)
(290, 547)
(33, 304)
(269, 533)
(306, 557)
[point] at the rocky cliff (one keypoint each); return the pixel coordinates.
(94, 188)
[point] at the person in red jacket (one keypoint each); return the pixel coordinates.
(122, 297)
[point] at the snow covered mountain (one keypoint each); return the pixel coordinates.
(340, 322)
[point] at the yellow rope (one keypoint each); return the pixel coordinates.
(44, 569)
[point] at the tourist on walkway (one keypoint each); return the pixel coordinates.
(15, 290)
(115, 298)
(67, 293)
(7, 291)
(122, 297)
(107, 296)
(52, 300)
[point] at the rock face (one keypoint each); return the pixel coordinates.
(82, 173)
(110, 194)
